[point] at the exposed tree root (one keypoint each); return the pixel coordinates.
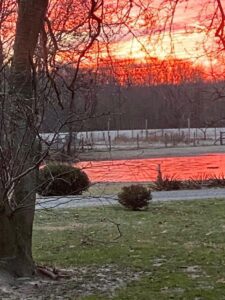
(53, 274)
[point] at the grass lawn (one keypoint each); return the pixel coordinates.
(176, 249)
(110, 188)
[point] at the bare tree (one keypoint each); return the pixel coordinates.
(35, 53)
(18, 142)
(37, 39)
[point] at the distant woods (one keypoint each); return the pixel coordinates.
(126, 94)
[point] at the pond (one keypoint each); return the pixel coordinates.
(141, 170)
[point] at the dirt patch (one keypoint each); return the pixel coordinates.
(83, 281)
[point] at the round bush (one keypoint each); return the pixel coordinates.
(62, 180)
(135, 197)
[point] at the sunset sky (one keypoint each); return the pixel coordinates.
(144, 31)
(141, 35)
(186, 41)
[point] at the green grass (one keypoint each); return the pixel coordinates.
(110, 188)
(180, 246)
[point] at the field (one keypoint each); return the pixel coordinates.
(119, 140)
(172, 251)
(157, 134)
(123, 154)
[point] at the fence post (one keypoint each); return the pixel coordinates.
(138, 144)
(189, 129)
(146, 129)
(166, 140)
(159, 178)
(108, 125)
(221, 138)
(194, 141)
(110, 143)
(92, 140)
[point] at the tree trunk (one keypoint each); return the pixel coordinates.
(71, 127)
(1, 64)
(15, 244)
(16, 224)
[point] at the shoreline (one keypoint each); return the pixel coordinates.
(128, 154)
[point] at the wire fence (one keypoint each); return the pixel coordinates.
(135, 139)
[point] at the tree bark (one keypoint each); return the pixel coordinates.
(16, 225)
(1, 63)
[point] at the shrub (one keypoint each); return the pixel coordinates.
(135, 197)
(168, 184)
(217, 181)
(208, 181)
(61, 180)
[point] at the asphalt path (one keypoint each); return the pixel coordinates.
(90, 201)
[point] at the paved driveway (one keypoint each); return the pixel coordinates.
(89, 201)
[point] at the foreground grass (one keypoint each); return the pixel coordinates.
(179, 246)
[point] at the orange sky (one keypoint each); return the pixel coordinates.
(188, 40)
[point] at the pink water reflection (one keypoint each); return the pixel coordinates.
(146, 169)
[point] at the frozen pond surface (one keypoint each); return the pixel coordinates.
(144, 170)
(141, 170)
